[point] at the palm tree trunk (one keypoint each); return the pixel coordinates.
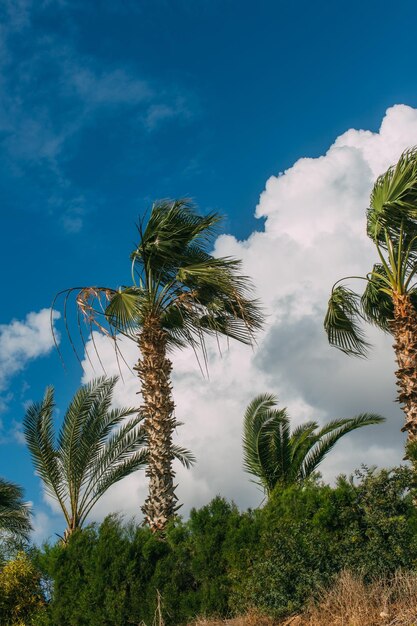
(154, 371)
(404, 328)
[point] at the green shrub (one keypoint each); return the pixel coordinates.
(222, 561)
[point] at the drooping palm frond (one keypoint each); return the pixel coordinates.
(329, 435)
(39, 435)
(275, 456)
(14, 512)
(344, 312)
(256, 415)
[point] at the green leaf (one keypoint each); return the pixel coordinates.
(341, 322)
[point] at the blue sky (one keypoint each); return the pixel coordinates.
(106, 106)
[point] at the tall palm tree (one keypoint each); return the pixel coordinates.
(96, 447)
(14, 512)
(389, 300)
(180, 293)
(277, 456)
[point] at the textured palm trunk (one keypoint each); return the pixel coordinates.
(404, 328)
(154, 371)
(70, 530)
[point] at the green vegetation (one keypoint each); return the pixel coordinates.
(14, 513)
(221, 561)
(277, 456)
(96, 447)
(22, 601)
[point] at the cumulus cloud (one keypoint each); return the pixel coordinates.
(22, 341)
(314, 234)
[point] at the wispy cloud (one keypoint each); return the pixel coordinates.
(53, 95)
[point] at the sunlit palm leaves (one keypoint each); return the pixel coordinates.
(14, 512)
(95, 447)
(392, 226)
(276, 456)
(179, 295)
(176, 278)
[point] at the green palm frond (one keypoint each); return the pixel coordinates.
(96, 446)
(275, 456)
(126, 310)
(184, 456)
(252, 423)
(377, 305)
(39, 434)
(302, 440)
(14, 512)
(394, 198)
(341, 322)
(330, 434)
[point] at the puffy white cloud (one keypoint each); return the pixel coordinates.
(314, 234)
(24, 340)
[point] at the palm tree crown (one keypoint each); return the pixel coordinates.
(277, 456)
(14, 512)
(180, 293)
(96, 447)
(389, 300)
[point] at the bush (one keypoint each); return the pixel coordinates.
(21, 596)
(310, 533)
(221, 562)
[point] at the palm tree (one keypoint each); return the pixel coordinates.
(277, 456)
(14, 512)
(179, 294)
(96, 447)
(389, 300)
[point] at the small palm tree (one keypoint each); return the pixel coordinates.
(180, 293)
(277, 456)
(96, 447)
(14, 512)
(389, 300)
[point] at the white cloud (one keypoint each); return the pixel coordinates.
(43, 527)
(22, 341)
(314, 234)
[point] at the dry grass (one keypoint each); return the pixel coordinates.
(349, 603)
(352, 603)
(250, 619)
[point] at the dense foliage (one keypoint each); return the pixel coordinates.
(21, 595)
(222, 561)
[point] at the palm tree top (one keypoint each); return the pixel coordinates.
(176, 281)
(95, 447)
(392, 226)
(274, 454)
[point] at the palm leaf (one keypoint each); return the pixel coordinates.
(14, 513)
(254, 419)
(394, 199)
(341, 322)
(377, 305)
(330, 434)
